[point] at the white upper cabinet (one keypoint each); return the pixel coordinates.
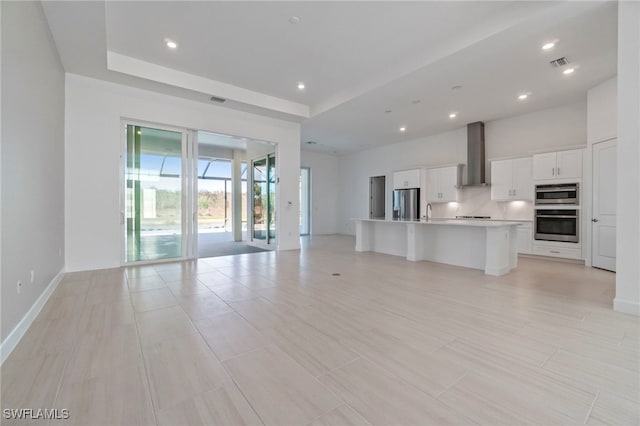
(523, 179)
(544, 166)
(442, 184)
(501, 179)
(558, 165)
(406, 179)
(569, 164)
(512, 179)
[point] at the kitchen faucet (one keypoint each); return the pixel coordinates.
(429, 207)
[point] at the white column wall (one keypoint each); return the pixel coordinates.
(628, 208)
(32, 206)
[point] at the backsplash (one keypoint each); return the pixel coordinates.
(476, 201)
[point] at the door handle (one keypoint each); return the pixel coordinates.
(594, 220)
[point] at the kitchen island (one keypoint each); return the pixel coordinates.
(489, 245)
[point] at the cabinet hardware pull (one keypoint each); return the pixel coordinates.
(555, 251)
(594, 220)
(553, 171)
(558, 171)
(514, 192)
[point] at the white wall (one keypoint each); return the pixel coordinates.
(628, 204)
(94, 110)
(356, 169)
(32, 158)
(324, 191)
(602, 117)
(548, 129)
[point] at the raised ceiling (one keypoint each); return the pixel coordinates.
(357, 59)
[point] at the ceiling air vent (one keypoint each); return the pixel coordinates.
(217, 99)
(560, 62)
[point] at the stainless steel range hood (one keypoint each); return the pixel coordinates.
(476, 173)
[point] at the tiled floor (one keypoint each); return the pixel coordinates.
(276, 338)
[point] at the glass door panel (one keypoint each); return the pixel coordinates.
(260, 199)
(153, 194)
(271, 174)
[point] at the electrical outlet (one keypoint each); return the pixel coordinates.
(19, 286)
(33, 276)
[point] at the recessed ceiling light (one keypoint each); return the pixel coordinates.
(403, 129)
(171, 44)
(568, 71)
(523, 96)
(456, 88)
(416, 101)
(387, 111)
(548, 46)
(294, 20)
(453, 115)
(301, 86)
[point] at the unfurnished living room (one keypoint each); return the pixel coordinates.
(320, 212)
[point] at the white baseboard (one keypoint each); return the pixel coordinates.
(12, 340)
(626, 306)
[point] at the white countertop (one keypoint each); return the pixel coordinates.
(482, 223)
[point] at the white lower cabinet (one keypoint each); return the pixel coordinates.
(525, 238)
(558, 249)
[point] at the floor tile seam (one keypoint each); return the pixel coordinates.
(587, 386)
(559, 411)
(142, 360)
(593, 403)
(597, 361)
(484, 400)
(312, 377)
(580, 336)
(452, 384)
(574, 383)
(69, 354)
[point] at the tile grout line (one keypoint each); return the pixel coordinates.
(455, 382)
(549, 357)
(73, 346)
(144, 366)
(593, 403)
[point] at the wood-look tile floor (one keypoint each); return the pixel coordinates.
(278, 339)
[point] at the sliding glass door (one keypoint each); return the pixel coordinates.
(155, 202)
(263, 224)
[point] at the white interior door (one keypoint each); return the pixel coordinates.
(603, 249)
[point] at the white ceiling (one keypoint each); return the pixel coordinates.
(357, 59)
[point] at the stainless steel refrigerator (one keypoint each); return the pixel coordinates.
(406, 204)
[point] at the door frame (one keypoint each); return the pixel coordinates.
(593, 205)
(189, 191)
(266, 242)
(308, 169)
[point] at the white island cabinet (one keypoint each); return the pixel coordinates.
(488, 245)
